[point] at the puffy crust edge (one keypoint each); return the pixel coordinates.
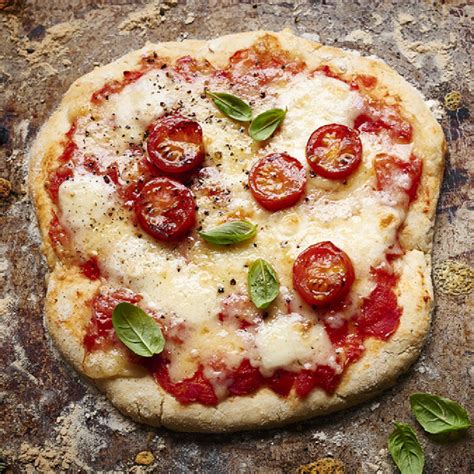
(139, 397)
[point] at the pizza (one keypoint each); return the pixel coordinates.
(238, 230)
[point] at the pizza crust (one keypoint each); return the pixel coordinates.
(134, 392)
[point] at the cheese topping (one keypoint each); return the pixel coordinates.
(289, 341)
(188, 280)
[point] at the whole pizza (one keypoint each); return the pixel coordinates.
(238, 230)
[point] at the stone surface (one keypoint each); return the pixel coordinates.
(51, 420)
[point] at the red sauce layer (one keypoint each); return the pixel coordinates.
(380, 313)
(100, 332)
(196, 389)
(261, 64)
(244, 380)
(379, 118)
(58, 235)
(90, 268)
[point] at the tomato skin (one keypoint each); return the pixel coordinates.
(165, 209)
(323, 274)
(340, 158)
(175, 144)
(277, 181)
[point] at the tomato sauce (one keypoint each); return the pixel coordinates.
(190, 69)
(129, 77)
(56, 178)
(380, 313)
(99, 331)
(245, 379)
(260, 64)
(90, 269)
(360, 81)
(57, 234)
(65, 170)
(281, 382)
(195, 389)
(390, 169)
(376, 120)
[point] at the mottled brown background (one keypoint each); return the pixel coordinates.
(50, 419)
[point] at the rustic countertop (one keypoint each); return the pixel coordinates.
(51, 420)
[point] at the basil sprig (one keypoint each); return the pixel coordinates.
(264, 125)
(405, 449)
(137, 330)
(230, 233)
(231, 106)
(437, 414)
(263, 284)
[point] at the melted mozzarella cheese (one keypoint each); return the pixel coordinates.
(291, 341)
(183, 279)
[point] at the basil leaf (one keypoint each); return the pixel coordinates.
(231, 106)
(229, 233)
(138, 331)
(264, 125)
(437, 414)
(263, 284)
(406, 450)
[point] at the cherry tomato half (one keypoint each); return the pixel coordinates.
(277, 181)
(165, 209)
(334, 151)
(323, 274)
(175, 144)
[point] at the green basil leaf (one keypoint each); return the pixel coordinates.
(229, 233)
(406, 450)
(264, 125)
(137, 330)
(437, 414)
(263, 284)
(231, 106)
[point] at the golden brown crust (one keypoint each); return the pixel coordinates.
(134, 392)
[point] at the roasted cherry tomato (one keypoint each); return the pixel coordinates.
(277, 181)
(396, 175)
(165, 209)
(323, 274)
(334, 151)
(175, 144)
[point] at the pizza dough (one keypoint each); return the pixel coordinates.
(350, 216)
